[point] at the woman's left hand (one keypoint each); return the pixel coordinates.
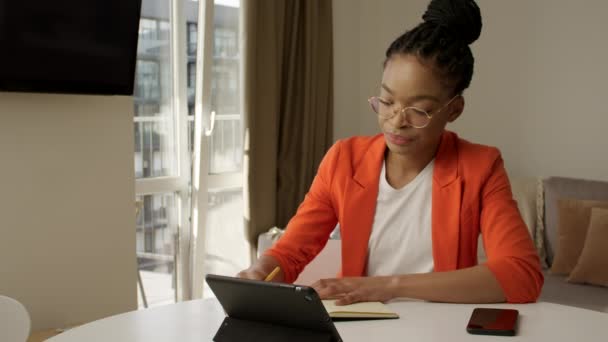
(356, 289)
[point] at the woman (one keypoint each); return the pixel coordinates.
(412, 201)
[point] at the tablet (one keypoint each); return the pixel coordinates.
(285, 305)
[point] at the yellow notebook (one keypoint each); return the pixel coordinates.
(365, 310)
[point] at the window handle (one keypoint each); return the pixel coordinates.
(209, 131)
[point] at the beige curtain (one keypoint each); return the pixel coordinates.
(288, 105)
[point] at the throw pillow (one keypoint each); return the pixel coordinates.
(559, 187)
(574, 217)
(592, 266)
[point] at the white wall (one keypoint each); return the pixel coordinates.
(539, 87)
(67, 236)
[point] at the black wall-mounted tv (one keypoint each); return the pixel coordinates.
(69, 46)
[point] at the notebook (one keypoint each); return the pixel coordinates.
(365, 310)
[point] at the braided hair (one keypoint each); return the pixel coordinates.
(444, 36)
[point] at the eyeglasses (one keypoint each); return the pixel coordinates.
(415, 117)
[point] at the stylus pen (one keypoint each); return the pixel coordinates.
(272, 274)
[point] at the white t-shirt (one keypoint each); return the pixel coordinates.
(401, 241)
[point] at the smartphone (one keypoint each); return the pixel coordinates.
(487, 321)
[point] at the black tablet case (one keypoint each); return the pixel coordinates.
(273, 311)
(233, 330)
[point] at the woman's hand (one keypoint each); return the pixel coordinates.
(354, 290)
(469, 285)
(252, 273)
(262, 268)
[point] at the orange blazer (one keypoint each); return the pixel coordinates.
(471, 195)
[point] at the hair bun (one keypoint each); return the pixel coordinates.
(460, 17)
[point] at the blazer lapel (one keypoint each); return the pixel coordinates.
(447, 194)
(359, 209)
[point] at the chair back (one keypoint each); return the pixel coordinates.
(14, 320)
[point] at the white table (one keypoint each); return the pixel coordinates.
(198, 320)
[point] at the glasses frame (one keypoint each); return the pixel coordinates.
(402, 110)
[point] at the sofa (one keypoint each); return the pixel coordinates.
(549, 192)
(530, 197)
(531, 201)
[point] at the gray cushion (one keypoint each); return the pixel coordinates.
(558, 187)
(557, 290)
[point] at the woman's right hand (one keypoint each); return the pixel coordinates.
(262, 268)
(252, 273)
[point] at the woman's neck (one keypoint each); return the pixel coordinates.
(403, 168)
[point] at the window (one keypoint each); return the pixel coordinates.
(161, 179)
(192, 37)
(163, 127)
(224, 173)
(225, 42)
(147, 85)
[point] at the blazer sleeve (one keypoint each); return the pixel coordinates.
(308, 231)
(512, 257)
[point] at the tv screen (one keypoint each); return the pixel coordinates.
(68, 46)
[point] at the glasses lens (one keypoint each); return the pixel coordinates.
(416, 117)
(375, 104)
(380, 108)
